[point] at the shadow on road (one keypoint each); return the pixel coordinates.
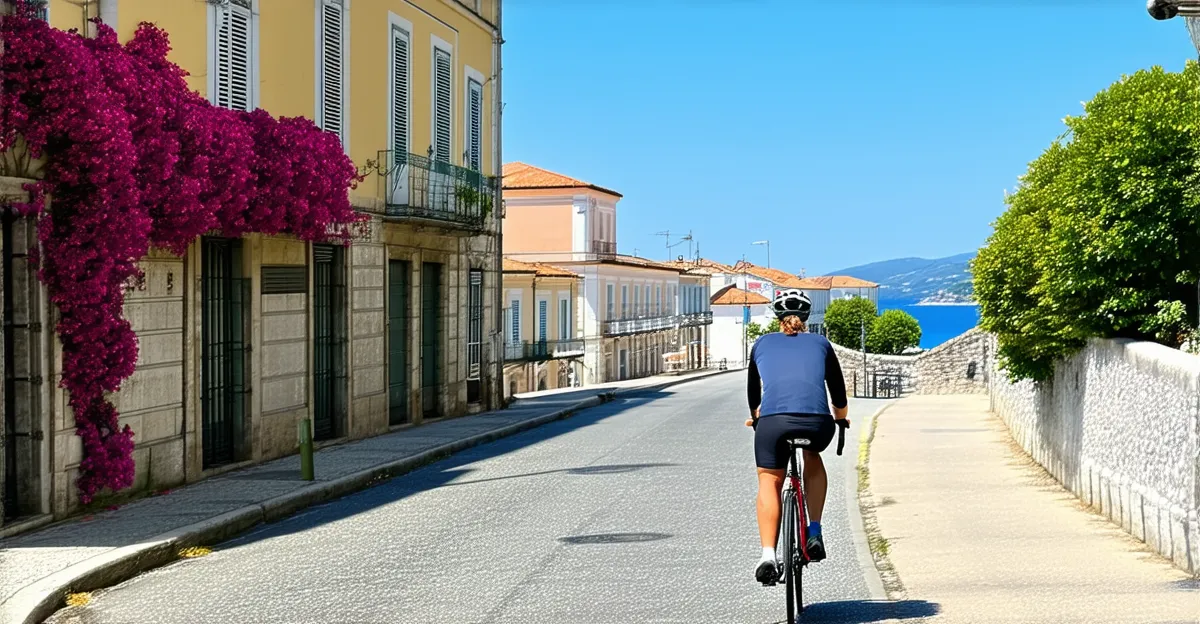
(861, 611)
(444, 472)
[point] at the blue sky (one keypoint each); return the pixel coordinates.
(843, 132)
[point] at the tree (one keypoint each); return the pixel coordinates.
(1101, 237)
(754, 331)
(844, 319)
(893, 332)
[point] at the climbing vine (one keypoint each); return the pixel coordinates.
(134, 159)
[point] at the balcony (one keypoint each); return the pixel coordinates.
(625, 327)
(421, 189)
(604, 249)
(543, 350)
(696, 319)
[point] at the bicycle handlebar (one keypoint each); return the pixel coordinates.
(842, 424)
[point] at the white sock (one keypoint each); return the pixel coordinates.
(768, 554)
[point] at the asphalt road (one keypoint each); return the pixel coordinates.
(641, 510)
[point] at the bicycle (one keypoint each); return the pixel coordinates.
(792, 541)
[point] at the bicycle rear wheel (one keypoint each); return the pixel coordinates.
(786, 553)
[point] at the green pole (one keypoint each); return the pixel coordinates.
(306, 450)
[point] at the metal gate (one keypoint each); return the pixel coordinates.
(431, 338)
(878, 385)
(22, 347)
(398, 313)
(329, 344)
(225, 296)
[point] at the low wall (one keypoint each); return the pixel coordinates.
(1119, 425)
(958, 366)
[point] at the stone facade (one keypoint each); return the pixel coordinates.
(162, 401)
(1119, 425)
(958, 366)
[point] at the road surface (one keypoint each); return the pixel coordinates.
(640, 510)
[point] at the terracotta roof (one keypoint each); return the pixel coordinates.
(731, 295)
(845, 281)
(706, 267)
(538, 269)
(835, 281)
(518, 175)
(641, 262)
(775, 276)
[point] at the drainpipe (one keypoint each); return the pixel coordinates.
(498, 208)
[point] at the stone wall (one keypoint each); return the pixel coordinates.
(958, 366)
(1119, 425)
(855, 368)
(282, 354)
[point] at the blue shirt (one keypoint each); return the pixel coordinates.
(789, 374)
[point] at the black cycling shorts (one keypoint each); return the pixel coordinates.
(772, 433)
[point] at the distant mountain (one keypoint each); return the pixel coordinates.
(909, 281)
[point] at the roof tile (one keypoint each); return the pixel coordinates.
(518, 175)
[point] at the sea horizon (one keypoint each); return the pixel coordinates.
(939, 322)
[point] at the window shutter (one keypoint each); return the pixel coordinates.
(543, 312)
(333, 66)
(564, 319)
(233, 55)
(475, 325)
(400, 95)
(475, 123)
(516, 321)
(441, 103)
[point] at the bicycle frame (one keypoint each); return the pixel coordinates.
(794, 479)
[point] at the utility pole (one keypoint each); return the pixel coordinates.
(863, 323)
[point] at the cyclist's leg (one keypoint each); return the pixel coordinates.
(770, 482)
(816, 482)
(771, 456)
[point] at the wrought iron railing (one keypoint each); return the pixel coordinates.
(544, 349)
(424, 188)
(696, 318)
(624, 327)
(604, 248)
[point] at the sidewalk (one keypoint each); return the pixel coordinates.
(38, 569)
(975, 527)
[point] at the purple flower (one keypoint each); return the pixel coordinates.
(134, 159)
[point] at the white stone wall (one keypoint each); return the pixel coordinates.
(1119, 425)
(853, 366)
(945, 369)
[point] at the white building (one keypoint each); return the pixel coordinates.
(637, 314)
(733, 308)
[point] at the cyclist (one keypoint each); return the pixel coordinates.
(786, 389)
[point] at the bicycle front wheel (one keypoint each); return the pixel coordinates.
(785, 552)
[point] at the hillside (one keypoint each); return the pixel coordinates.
(908, 281)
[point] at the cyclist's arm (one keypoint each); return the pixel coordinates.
(753, 386)
(837, 385)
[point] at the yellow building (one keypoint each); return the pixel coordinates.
(243, 339)
(543, 328)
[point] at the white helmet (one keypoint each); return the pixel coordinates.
(792, 302)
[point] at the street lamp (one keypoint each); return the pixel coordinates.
(768, 244)
(1190, 10)
(1167, 9)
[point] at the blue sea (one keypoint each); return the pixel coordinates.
(940, 323)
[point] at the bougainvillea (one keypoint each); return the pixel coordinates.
(133, 158)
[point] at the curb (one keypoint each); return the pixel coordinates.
(39, 600)
(854, 506)
(892, 586)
